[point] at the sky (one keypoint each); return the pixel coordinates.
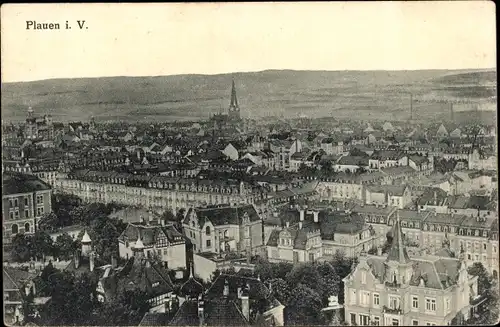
(212, 38)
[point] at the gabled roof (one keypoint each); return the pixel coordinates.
(232, 215)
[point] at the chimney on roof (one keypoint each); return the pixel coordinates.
(379, 251)
(302, 214)
(300, 225)
(113, 262)
(316, 216)
(435, 198)
(150, 216)
(141, 219)
(287, 224)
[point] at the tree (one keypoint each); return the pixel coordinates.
(65, 246)
(305, 307)
(49, 222)
(484, 281)
(41, 245)
(126, 309)
(21, 250)
(281, 290)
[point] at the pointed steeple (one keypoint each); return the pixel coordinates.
(397, 252)
(234, 100)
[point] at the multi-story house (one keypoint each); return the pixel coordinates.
(387, 158)
(351, 164)
(25, 199)
(159, 193)
(232, 300)
(224, 229)
(346, 187)
(312, 234)
(396, 290)
(388, 195)
(284, 150)
(160, 240)
(331, 147)
(18, 284)
(148, 275)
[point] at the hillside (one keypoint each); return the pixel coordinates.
(371, 94)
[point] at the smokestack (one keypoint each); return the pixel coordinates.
(316, 216)
(302, 214)
(245, 303)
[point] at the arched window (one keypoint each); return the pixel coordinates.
(27, 227)
(15, 229)
(207, 230)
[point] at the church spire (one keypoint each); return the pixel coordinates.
(397, 252)
(234, 99)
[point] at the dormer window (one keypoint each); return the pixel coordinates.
(155, 284)
(207, 231)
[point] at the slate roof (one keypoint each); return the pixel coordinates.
(150, 234)
(156, 319)
(141, 273)
(15, 183)
(353, 161)
(224, 215)
(396, 190)
(14, 278)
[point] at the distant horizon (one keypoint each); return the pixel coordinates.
(254, 71)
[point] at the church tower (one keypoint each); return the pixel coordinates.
(398, 264)
(234, 109)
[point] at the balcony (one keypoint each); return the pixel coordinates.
(386, 309)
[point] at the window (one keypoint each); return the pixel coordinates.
(393, 302)
(26, 213)
(26, 201)
(353, 297)
(376, 299)
(395, 322)
(39, 199)
(469, 257)
(363, 277)
(414, 302)
(365, 298)
(16, 203)
(430, 305)
(11, 215)
(477, 257)
(353, 319)
(364, 320)
(15, 229)
(447, 305)
(431, 324)
(414, 322)
(484, 246)
(207, 230)
(209, 243)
